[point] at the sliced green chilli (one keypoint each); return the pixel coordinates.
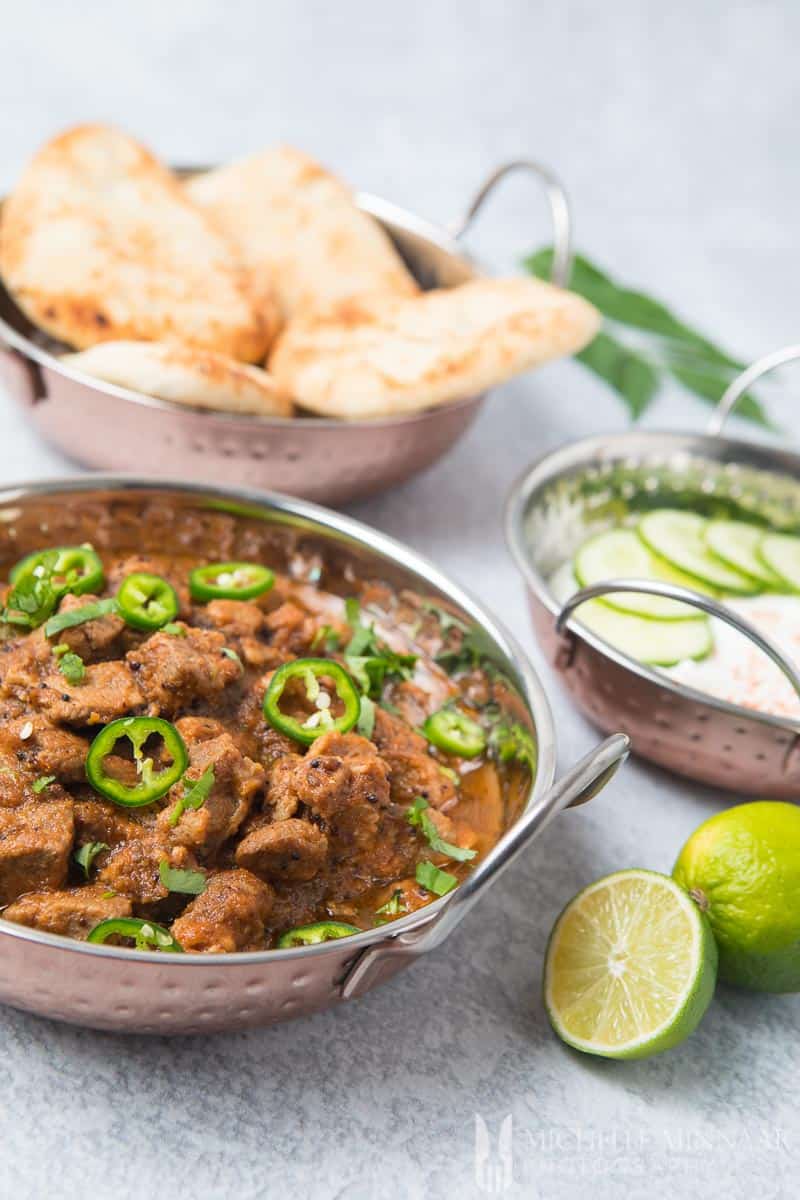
(75, 569)
(230, 581)
(323, 719)
(151, 784)
(452, 731)
(312, 935)
(146, 935)
(147, 601)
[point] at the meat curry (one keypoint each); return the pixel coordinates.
(206, 756)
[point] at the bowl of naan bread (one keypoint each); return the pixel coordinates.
(256, 323)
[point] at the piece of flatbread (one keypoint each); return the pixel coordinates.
(98, 242)
(299, 231)
(374, 357)
(185, 375)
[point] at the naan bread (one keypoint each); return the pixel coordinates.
(374, 357)
(98, 242)
(184, 375)
(299, 231)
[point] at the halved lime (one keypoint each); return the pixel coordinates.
(621, 554)
(630, 967)
(680, 538)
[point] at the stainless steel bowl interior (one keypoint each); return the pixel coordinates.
(599, 483)
(283, 532)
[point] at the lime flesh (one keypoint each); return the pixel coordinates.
(630, 967)
(743, 868)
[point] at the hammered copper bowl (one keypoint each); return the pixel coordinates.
(594, 484)
(112, 988)
(112, 428)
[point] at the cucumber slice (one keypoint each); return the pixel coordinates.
(780, 552)
(659, 643)
(621, 554)
(737, 544)
(679, 537)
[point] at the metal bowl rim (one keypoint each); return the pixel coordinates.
(584, 452)
(387, 547)
(382, 210)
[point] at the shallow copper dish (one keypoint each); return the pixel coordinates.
(112, 988)
(586, 487)
(105, 426)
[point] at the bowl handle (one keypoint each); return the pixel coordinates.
(559, 211)
(738, 386)
(674, 591)
(576, 787)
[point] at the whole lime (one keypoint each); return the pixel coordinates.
(742, 867)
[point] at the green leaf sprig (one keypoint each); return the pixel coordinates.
(663, 345)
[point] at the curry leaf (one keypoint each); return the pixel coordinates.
(668, 347)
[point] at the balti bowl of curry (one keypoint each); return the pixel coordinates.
(254, 757)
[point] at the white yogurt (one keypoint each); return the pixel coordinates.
(737, 671)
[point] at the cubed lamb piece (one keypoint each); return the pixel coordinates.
(174, 671)
(345, 791)
(391, 735)
(72, 913)
(234, 618)
(412, 775)
(92, 640)
(282, 791)
(102, 821)
(46, 749)
(107, 691)
(22, 663)
(237, 779)
(413, 772)
(292, 629)
(284, 851)
(35, 843)
(228, 916)
(132, 869)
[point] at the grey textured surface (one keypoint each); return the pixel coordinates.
(675, 127)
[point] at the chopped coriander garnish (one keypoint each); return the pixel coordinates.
(226, 650)
(434, 880)
(446, 619)
(173, 628)
(508, 740)
(418, 816)
(366, 718)
(327, 637)
(33, 598)
(77, 616)
(394, 905)
(195, 794)
(42, 782)
(466, 658)
(189, 883)
(71, 667)
(61, 648)
(86, 854)
(369, 660)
